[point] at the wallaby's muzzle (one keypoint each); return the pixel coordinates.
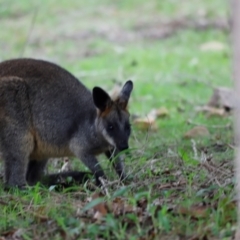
(122, 146)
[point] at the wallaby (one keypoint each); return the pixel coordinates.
(46, 112)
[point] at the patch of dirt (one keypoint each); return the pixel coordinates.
(159, 29)
(151, 31)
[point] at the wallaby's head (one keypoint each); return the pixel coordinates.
(113, 117)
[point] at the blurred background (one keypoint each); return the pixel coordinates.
(176, 52)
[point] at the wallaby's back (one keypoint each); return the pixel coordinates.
(58, 100)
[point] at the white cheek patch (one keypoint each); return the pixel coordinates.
(108, 138)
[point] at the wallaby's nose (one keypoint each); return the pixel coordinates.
(123, 146)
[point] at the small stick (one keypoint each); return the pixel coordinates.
(104, 186)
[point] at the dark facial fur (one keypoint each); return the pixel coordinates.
(113, 118)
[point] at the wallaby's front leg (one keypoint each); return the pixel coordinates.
(117, 162)
(91, 162)
(35, 171)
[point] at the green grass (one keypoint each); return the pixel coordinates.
(113, 41)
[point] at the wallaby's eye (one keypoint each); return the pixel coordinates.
(110, 127)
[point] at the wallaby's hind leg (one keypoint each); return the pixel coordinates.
(15, 164)
(15, 146)
(16, 141)
(35, 171)
(117, 164)
(15, 170)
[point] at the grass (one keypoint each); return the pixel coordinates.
(171, 194)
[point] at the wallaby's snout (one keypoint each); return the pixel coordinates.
(122, 140)
(123, 146)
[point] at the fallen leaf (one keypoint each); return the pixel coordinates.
(145, 123)
(222, 97)
(99, 215)
(119, 206)
(95, 202)
(194, 211)
(100, 209)
(157, 113)
(212, 111)
(213, 46)
(149, 122)
(97, 206)
(198, 131)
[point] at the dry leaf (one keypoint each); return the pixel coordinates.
(212, 111)
(149, 122)
(213, 46)
(99, 215)
(157, 113)
(96, 206)
(100, 209)
(222, 97)
(119, 206)
(194, 211)
(198, 131)
(145, 123)
(162, 112)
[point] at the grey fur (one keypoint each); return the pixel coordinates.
(46, 112)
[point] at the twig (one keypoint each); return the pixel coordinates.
(29, 32)
(194, 149)
(104, 186)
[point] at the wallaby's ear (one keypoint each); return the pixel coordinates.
(101, 99)
(125, 94)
